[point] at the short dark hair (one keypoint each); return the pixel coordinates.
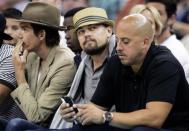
(170, 5)
(72, 12)
(12, 13)
(52, 35)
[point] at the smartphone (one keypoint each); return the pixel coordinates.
(69, 100)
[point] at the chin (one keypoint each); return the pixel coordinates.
(124, 62)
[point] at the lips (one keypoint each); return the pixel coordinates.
(121, 56)
(69, 44)
(88, 41)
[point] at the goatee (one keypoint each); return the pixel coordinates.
(95, 51)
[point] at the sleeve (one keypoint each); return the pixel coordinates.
(7, 73)
(163, 83)
(39, 107)
(103, 95)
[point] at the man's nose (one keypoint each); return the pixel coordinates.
(20, 35)
(118, 47)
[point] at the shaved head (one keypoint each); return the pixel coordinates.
(135, 33)
(137, 25)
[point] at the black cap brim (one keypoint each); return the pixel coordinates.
(6, 36)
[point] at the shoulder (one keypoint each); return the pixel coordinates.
(162, 57)
(64, 54)
(32, 57)
(161, 54)
(114, 63)
(114, 60)
(64, 51)
(6, 50)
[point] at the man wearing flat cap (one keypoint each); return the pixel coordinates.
(95, 34)
(45, 74)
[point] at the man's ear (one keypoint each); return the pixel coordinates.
(42, 34)
(147, 41)
(110, 31)
(171, 20)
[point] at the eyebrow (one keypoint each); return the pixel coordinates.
(70, 27)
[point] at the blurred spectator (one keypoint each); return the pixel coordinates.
(127, 7)
(8, 108)
(18, 4)
(181, 26)
(151, 14)
(167, 10)
(70, 4)
(183, 11)
(3, 5)
(112, 7)
(12, 25)
(71, 37)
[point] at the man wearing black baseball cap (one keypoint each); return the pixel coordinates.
(3, 36)
(7, 77)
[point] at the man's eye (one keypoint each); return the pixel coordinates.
(92, 28)
(70, 27)
(125, 40)
(80, 32)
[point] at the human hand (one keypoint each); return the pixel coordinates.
(67, 112)
(89, 113)
(19, 59)
(19, 54)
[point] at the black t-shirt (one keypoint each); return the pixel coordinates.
(161, 78)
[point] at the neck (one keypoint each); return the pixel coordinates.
(140, 60)
(136, 68)
(43, 51)
(163, 36)
(97, 60)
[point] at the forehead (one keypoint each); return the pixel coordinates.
(123, 29)
(12, 20)
(88, 26)
(68, 21)
(25, 24)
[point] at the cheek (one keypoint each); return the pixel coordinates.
(15, 34)
(101, 39)
(81, 40)
(27, 38)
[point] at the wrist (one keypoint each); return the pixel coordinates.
(107, 117)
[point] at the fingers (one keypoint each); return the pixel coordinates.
(82, 116)
(88, 113)
(82, 109)
(85, 119)
(81, 106)
(67, 112)
(17, 49)
(24, 56)
(19, 53)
